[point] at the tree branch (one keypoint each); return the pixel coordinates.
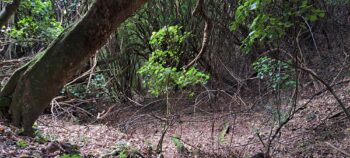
(199, 10)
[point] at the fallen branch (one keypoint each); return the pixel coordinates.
(338, 149)
(14, 61)
(317, 77)
(329, 88)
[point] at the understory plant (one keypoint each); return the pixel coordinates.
(96, 88)
(268, 23)
(269, 20)
(35, 22)
(164, 69)
(277, 73)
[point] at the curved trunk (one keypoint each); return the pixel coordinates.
(32, 87)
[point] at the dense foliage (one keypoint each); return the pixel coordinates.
(164, 69)
(35, 21)
(269, 20)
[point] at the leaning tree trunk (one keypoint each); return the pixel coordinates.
(31, 88)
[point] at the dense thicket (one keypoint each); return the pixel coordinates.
(261, 50)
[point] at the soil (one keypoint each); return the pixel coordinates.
(219, 128)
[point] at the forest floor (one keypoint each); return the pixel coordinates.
(225, 132)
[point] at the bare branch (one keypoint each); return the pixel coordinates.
(199, 10)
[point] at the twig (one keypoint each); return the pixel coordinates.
(338, 149)
(14, 61)
(329, 88)
(160, 143)
(317, 77)
(312, 35)
(261, 139)
(92, 71)
(104, 113)
(342, 68)
(82, 76)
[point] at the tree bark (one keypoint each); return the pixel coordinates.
(8, 11)
(31, 88)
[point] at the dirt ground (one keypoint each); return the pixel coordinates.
(311, 133)
(219, 128)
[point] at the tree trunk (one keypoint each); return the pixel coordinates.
(8, 11)
(31, 88)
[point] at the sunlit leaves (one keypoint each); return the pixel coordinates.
(162, 72)
(168, 36)
(36, 20)
(269, 20)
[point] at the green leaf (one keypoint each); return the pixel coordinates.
(70, 156)
(21, 143)
(312, 18)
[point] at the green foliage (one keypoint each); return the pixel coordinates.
(177, 142)
(278, 74)
(163, 70)
(77, 90)
(21, 143)
(123, 154)
(36, 20)
(97, 88)
(98, 85)
(123, 148)
(70, 156)
(268, 20)
(168, 38)
(39, 137)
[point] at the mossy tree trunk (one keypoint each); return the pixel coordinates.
(32, 87)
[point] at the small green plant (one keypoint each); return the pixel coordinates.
(21, 143)
(70, 156)
(268, 20)
(278, 74)
(123, 154)
(97, 88)
(177, 142)
(164, 69)
(39, 137)
(122, 147)
(36, 21)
